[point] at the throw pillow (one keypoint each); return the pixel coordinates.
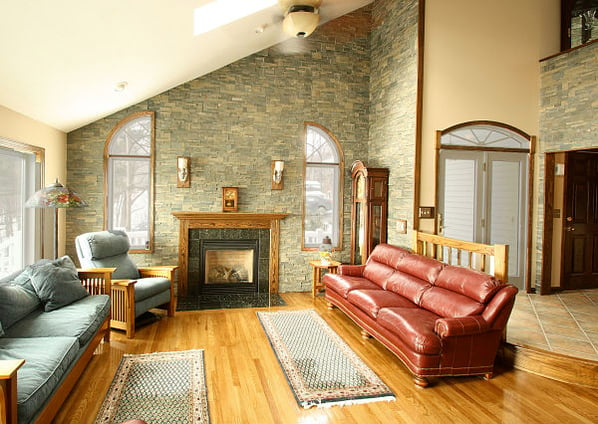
(57, 283)
(17, 299)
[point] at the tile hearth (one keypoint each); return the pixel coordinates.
(229, 301)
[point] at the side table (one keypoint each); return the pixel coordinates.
(318, 266)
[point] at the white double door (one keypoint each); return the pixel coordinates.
(483, 198)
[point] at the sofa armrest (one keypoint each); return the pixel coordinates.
(8, 384)
(351, 270)
(462, 326)
(158, 271)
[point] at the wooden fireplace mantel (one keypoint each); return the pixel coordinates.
(192, 220)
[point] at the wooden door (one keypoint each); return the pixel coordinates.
(580, 238)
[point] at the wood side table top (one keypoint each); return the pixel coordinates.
(318, 266)
(318, 263)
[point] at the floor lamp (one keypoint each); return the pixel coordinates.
(55, 196)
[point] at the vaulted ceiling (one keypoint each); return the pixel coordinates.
(62, 60)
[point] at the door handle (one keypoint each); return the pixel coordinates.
(570, 228)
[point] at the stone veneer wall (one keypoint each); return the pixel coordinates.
(232, 123)
(393, 97)
(568, 114)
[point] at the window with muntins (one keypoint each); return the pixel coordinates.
(322, 194)
(129, 158)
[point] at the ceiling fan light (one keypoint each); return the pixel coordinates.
(300, 24)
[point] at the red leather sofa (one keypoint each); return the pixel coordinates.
(440, 320)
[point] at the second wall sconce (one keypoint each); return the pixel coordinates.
(277, 171)
(182, 171)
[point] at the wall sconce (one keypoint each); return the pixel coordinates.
(277, 170)
(182, 171)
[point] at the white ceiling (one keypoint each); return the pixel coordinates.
(60, 60)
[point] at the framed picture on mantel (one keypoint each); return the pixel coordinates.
(230, 199)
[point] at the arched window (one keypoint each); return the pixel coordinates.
(322, 194)
(128, 179)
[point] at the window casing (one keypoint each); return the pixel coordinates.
(322, 190)
(21, 170)
(128, 179)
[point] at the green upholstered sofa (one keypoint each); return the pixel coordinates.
(53, 317)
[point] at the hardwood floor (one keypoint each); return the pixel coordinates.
(246, 385)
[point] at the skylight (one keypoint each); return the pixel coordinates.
(218, 13)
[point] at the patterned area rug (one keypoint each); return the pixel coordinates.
(320, 367)
(163, 387)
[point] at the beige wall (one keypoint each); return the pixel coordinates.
(18, 127)
(481, 62)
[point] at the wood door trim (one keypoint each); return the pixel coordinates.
(545, 283)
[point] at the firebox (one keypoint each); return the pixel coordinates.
(228, 266)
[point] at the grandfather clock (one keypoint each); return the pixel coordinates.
(368, 211)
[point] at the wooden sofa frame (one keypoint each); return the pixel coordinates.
(96, 281)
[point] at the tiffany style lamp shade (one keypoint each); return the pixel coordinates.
(55, 196)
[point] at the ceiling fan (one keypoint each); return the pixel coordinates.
(301, 17)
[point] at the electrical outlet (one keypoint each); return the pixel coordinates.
(402, 226)
(426, 212)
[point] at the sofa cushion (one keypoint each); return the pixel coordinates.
(474, 284)
(57, 283)
(47, 359)
(422, 267)
(343, 284)
(148, 287)
(388, 254)
(377, 272)
(407, 286)
(17, 300)
(371, 301)
(449, 304)
(80, 319)
(382, 262)
(414, 326)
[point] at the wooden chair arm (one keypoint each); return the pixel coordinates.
(8, 384)
(158, 271)
(96, 280)
(123, 283)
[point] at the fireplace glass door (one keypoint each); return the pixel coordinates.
(229, 266)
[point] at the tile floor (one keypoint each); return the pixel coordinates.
(565, 322)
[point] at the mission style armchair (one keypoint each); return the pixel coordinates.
(135, 290)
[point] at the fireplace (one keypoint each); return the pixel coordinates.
(196, 226)
(228, 266)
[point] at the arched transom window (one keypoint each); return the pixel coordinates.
(128, 159)
(484, 136)
(322, 195)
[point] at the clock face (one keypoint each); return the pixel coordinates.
(229, 194)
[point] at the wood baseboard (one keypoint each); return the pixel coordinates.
(568, 369)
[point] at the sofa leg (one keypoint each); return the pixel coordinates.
(330, 306)
(365, 335)
(488, 376)
(421, 381)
